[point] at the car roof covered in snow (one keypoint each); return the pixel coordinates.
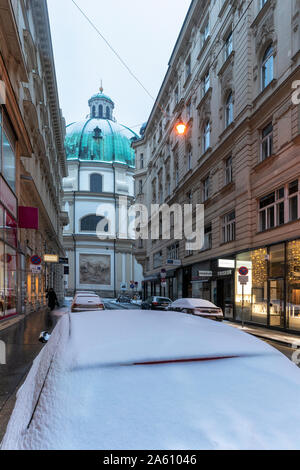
(86, 391)
(192, 303)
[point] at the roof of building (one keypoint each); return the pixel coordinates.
(100, 137)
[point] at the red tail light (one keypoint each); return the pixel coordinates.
(154, 303)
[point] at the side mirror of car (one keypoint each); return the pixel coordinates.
(44, 337)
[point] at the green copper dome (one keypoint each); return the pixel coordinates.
(100, 138)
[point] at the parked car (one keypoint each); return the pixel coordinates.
(124, 299)
(156, 303)
(199, 307)
(198, 385)
(83, 302)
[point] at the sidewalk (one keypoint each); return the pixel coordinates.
(277, 336)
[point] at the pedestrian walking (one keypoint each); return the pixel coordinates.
(52, 299)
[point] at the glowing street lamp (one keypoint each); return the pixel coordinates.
(181, 128)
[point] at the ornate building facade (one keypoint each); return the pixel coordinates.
(231, 78)
(101, 169)
(32, 159)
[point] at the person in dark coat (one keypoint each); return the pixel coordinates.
(52, 299)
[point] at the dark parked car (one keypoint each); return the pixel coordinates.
(156, 303)
(124, 299)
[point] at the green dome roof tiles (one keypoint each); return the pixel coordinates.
(100, 140)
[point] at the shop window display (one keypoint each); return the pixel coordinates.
(293, 285)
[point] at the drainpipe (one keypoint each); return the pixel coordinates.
(115, 199)
(74, 241)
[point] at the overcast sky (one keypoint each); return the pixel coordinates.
(143, 32)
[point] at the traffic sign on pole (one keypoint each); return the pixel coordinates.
(243, 271)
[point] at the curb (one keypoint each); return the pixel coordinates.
(284, 342)
(12, 321)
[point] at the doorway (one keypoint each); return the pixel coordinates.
(277, 302)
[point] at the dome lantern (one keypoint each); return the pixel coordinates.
(101, 106)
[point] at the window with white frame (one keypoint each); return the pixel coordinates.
(280, 207)
(140, 186)
(293, 197)
(205, 189)
(272, 210)
(228, 227)
(206, 136)
(176, 174)
(207, 237)
(228, 43)
(157, 259)
(189, 158)
(229, 110)
(205, 32)
(267, 67)
(228, 170)
(173, 251)
(205, 83)
(267, 142)
(188, 68)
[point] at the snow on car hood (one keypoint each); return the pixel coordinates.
(91, 401)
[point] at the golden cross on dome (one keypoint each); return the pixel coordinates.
(101, 87)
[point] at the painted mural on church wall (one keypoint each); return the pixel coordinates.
(95, 269)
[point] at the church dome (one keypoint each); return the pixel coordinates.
(100, 137)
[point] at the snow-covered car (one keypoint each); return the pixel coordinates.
(142, 380)
(83, 302)
(199, 307)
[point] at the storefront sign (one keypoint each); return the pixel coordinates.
(51, 258)
(205, 273)
(29, 218)
(8, 198)
(224, 273)
(226, 263)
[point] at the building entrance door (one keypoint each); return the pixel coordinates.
(276, 302)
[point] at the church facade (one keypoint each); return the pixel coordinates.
(101, 166)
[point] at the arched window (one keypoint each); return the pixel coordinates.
(96, 183)
(90, 223)
(267, 68)
(100, 110)
(206, 136)
(93, 111)
(107, 112)
(229, 110)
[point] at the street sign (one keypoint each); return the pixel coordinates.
(163, 284)
(36, 260)
(35, 269)
(174, 262)
(63, 261)
(243, 271)
(243, 280)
